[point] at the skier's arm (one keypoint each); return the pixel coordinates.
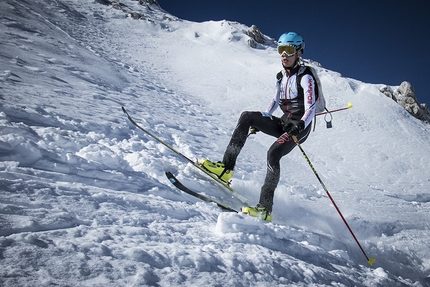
(308, 84)
(274, 103)
(271, 108)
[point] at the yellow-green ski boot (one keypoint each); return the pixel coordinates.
(259, 212)
(218, 169)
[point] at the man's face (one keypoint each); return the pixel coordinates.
(290, 61)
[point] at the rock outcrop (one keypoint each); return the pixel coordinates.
(405, 96)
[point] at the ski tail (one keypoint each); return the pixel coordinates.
(182, 187)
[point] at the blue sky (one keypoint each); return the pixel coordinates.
(379, 41)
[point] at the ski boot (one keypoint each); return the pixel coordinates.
(218, 169)
(257, 211)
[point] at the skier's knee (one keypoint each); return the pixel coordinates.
(245, 118)
(273, 158)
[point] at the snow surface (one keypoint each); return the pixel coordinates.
(83, 196)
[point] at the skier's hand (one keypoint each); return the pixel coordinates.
(294, 130)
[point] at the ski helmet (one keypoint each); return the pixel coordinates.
(292, 39)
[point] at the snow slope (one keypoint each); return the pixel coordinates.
(83, 196)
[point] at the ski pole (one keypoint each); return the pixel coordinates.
(369, 260)
(337, 110)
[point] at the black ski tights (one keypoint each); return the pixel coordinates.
(283, 145)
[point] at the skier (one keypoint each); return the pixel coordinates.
(297, 102)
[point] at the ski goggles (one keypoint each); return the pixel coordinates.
(289, 50)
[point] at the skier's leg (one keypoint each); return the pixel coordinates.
(264, 122)
(282, 146)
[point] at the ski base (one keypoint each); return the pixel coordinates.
(185, 189)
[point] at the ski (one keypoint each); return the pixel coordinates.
(182, 187)
(197, 165)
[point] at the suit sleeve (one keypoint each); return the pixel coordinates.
(274, 103)
(308, 84)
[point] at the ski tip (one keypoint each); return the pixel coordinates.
(171, 177)
(123, 109)
(371, 260)
(349, 105)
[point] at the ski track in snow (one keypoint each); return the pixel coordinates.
(83, 196)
